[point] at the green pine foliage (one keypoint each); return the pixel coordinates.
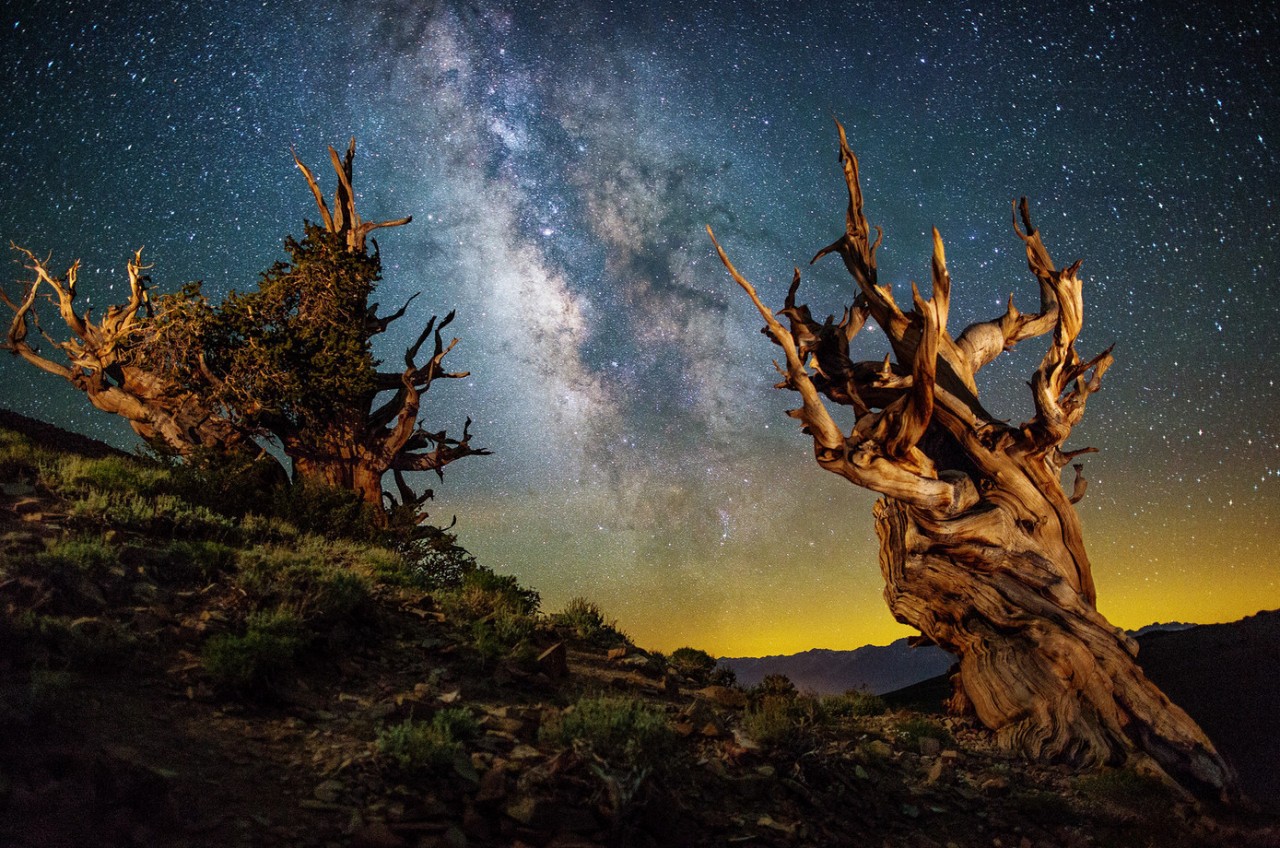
(296, 350)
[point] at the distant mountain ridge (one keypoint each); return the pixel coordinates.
(872, 668)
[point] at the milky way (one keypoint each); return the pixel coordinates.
(561, 161)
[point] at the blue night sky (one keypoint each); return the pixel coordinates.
(561, 160)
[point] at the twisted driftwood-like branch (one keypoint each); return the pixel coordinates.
(343, 219)
(110, 361)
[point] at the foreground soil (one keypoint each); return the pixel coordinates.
(141, 748)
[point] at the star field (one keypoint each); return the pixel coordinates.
(560, 161)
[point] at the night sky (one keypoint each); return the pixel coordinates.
(561, 160)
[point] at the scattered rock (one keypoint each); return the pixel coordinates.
(554, 661)
(17, 490)
(329, 791)
(939, 767)
(723, 696)
(526, 810)
(995, 785)
(617, 653)
(493, 785)
(376, 835)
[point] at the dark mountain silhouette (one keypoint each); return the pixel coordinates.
(1223, 675)
(872, 668)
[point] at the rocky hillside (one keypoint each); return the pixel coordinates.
(181, 670)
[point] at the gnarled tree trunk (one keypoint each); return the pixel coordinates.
(981, 547)
(356, 448)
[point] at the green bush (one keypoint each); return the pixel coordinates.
(1126, 787)
(775, 686)
(624, 732)
(854, 703)
(771, 721)
(199, 559)
(483, 593)
(86, 555)
(913, 729)
(116, 475)
(587, 622)
(692, 663)
(722, 675)
(258, 529)
(499, 635)
(155, 514)
(57, 642)
(309, 580)
(269, 647)
(779, 717)
(435, 560)
(20, 459)
(44, 695)
(234, 485)
(421, 746)
(327, 511)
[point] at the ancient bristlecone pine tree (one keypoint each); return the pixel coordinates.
(293, 359)
(981, 547)
(290, 362)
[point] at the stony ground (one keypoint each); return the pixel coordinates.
(141, 748)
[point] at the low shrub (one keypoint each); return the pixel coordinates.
(783, 719)
(775, 686)
(435, 560)
(117, 475)
(587, 622)
(913, 729)
(1127, 788)
(499, 635)
(854, 703)
(89, 556)
(692, 663)
(269, 647)
(722, 675)
(202, 560)
(20, 459)
(258, 529)
(424, 746)
(483, 593)
(309, 580)
(327, 511)
(161, 514)
(44, 695)
(59, 642)
(626, 733)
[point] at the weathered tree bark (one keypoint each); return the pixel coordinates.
(108, 361)
(981, 547)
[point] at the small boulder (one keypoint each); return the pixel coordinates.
(376, 835)
(723, 696)
(554, 661)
